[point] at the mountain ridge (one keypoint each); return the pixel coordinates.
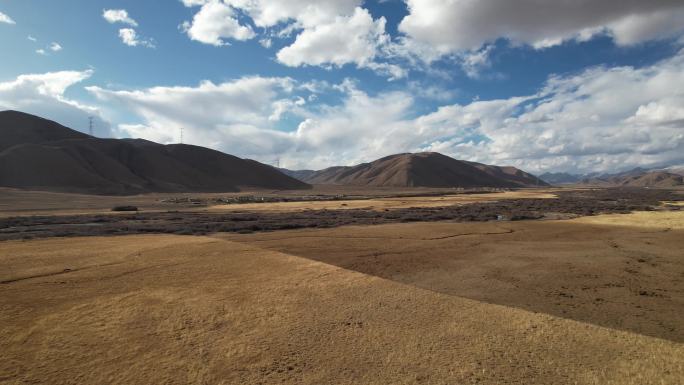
(637, 177)
(36, 153)
(427, 169)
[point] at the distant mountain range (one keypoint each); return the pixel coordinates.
(632, 179)
(39, 154)
(638, 177)
(558, 178)
(428, 169)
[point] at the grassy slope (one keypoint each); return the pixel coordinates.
(171, 309)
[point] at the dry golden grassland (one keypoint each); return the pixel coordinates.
(546, 302)
(15, 202)
(388, 203)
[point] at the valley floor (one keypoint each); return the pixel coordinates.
(16, 202)
(595, 300)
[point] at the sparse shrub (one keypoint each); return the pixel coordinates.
(523, 217)
(410, 218)
(124, 208)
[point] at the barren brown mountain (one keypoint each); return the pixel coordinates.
(511, 174)
(656, 179)
(19, 128)
(43, 155)
(428, 169)
(679, 170)
(643, 179)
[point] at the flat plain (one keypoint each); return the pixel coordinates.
(591, 300)
(15, 202)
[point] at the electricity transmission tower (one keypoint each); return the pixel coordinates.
(181, 135)
(90, 125)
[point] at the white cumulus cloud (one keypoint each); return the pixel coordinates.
(599, 120)
(352, 39)
(602, 119)
(214, 115)
(452, 26)
(43, 95)
(305, 13)
(327, 32)
(130, 37)
(215, 22)
(118, 16)
(337, 32)
(6, 19)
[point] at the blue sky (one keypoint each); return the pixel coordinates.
(321, 83)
